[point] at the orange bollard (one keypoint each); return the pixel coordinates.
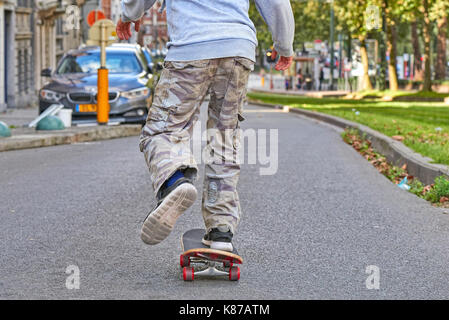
(103, 96)
(262, 81)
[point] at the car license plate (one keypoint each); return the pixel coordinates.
(86, 108)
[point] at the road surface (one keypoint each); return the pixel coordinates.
(326, 224)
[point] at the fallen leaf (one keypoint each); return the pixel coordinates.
(398, 138)
(444, 199)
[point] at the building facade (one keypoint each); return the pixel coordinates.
(16, 52)
(57, 30)
(116, 10)
(7, 26)
(33, 36)
(154, 33)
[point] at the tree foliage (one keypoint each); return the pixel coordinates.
(402, 19)
(312, 21)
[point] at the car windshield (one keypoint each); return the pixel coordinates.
(88, 62)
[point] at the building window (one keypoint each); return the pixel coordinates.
(25, 3)
(24, 75)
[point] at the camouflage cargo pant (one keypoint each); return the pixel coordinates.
(166, 137)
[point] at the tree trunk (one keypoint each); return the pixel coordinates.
(440, 66)
(382, 78)
(418, 72)
(427, 39)
(364, 53)
(391, 47)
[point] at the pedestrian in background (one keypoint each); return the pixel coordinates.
(262, 76)
(286, 80)
(321, 77)
(299, 79)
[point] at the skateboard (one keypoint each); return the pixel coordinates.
(198, 259)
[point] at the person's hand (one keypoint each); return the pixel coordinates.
(124, 29)
(284, 62)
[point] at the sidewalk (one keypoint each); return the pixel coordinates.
(23, 137)
(19, 117)
(254, 85)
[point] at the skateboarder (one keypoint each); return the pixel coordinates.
(212, 49)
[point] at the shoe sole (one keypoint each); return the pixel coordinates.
(159, 224)
(206, 242)
(223, 246)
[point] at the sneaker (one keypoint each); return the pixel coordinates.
(173, 201)
(219, 239)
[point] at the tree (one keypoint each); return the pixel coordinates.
(419, 75)
(395, 11)
(263, 34)
(440, 66)
(312, 21)
(352, 17)
(425, 9)
(420, 11)
(390, 10)
(439, 13)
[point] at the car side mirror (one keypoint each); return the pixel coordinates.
(46, 73)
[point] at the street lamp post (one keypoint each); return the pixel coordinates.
(332, 45)
(340, 56)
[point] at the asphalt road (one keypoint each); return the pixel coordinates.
(308, 232)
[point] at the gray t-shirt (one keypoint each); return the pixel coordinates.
(209, 29)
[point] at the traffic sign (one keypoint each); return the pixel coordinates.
(102, 34)
(94, 16)
(95, 33)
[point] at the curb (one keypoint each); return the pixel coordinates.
(35, 139)
(395, 152)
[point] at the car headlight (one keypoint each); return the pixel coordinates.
(136, 93)
(51, 96)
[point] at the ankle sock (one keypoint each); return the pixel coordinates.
(177, 175)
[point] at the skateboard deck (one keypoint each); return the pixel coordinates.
(198, 259)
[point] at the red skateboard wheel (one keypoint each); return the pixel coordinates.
(234, 274)
(184, 261)
(188, 273)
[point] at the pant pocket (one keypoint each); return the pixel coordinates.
(181, 65)
(156, 120)
(246, 63)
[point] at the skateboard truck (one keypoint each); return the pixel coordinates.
(207, 261)
(209, 268)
